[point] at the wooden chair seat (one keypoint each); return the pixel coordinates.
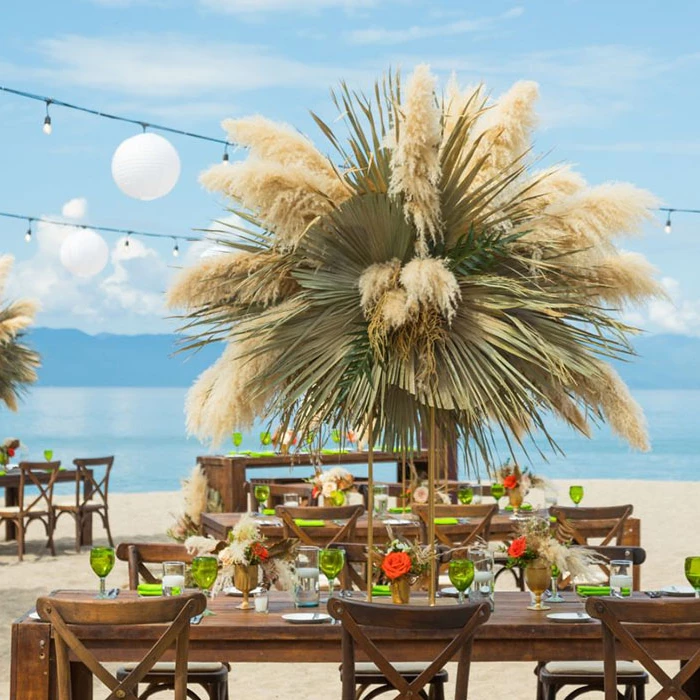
(578, 668)
(212, 677)
(368, 675)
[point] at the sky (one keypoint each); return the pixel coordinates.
(618, 100)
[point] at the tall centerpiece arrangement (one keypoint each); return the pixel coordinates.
(423, 278)
(402, 565)
(8, 449)
(517, 483)
(332, 485)
(18, 362)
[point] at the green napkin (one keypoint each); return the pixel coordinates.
(446, 521)
(2, 472)
(150, 589)
(379, 590)
(309, 523)
(268, 511)
(336, 451)
(524, 506)
(598, 590)
(407, 509)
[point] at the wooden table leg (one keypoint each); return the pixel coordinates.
(631, 536)
(30, 677)
(86, 531)
(11, 499)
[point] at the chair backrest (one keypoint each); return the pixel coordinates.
(346, 532)
(42, 476)
(138, 554)
(91, 483)
(462, 535)
(571, 522)
(359, 620)
(354, 573)
(64, 613)
(621, 620)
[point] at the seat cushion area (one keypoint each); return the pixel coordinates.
(366, 669)
(590, 668)
(169, 667)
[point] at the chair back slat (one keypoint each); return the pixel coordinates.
(360, 620)
(346, 532)
(63, 614)
(138, 554)
(621, 620)
(33, 474)
(95, 482)
(463, 536)
(354, 573)
(568, 518)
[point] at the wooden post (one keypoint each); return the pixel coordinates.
(432, 467)
(370, 502)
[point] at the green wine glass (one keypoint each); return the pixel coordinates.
(331, 562)
(555, 597)
(102, 562)
(692, 573)
(205, 569)
(461, 573)
(48, 455)
(261, 493)
(265, 439)
(576, 494)
(498, 491)
(465, 494)
(336, 437)
(237, 440)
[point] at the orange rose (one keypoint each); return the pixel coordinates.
(517, 547)
(396, 564)
(510, 482)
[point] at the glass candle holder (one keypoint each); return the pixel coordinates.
(291, 500)
(482, 586)
(307, 592)
(173, 578)
(380, 495)
(261, 600)
(620, 576)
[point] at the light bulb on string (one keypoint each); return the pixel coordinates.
(126, 240)
(667, 227)
(47, 128)
(28, 235)
(176, 249)
(224, 159)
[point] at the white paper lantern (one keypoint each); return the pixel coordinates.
(84, 253)
(146, 166)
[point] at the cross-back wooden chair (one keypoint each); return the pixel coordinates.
(460, 536)
(611, 519)
(359, 620)
(91, 496)
(354, 573)
(348, 515)
(620, 620)
(212, 677)
(37, 505)
(64, 614)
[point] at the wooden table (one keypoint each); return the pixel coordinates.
(227, 474)
(512, 634)
(10, 482)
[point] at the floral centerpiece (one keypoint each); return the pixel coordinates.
(8, 450)
(332, 485)
(518, 482)
(402, 564)
(246, 559)
(538, 553)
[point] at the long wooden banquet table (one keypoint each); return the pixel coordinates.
(513, 633)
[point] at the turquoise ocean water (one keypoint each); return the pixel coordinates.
(144, 429)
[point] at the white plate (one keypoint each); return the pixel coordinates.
(398, 521)
(569, 617)
(450, 592)
(233, 591)
(34, 615)
(679, 591)
(306, 618)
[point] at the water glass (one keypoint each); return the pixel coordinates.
(307, 592)
(482, 586)
(173, 578)
(261, 600)
(550, 498)
(291, 500)
(380, 493)
(620, 576)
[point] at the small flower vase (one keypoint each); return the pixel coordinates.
(538, 574)
(515, 498)
(400, 590)
(245, 579)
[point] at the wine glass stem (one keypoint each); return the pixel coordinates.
(554, 587)
(261, 507)
(103, 591)
(460, 597)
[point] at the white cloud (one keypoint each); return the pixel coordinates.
(677, 314)
(75, 208)
(453, 28)
(243, 7)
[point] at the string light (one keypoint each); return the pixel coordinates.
(176, 248)
(47, 128)
(667, 227)
(671, 210)
(126, 240)
(28, 235)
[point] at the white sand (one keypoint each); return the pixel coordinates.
(668, 511)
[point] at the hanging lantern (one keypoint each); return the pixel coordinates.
(146, 166)
(84, 253)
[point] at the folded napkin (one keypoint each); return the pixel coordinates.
(379, 590)
(150, 589)
(268, 511)
(524, 506)
(309, 523)
(407, 509)
(337, 451)
(598, 590)
(446, 521)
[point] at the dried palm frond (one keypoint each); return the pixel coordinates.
(447, 278)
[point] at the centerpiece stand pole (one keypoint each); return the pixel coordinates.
(370, 502)
(432, 466)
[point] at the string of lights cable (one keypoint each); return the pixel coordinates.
(106, 229)
(48, 126)
(671, 210)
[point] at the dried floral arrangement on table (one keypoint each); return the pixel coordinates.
(18, 363)
(512, 476)
(199, 498)
(404, 559)
(425, 267)
(8, 449)
(334, 480)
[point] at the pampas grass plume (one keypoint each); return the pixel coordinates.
(376, 280)
(429, 281)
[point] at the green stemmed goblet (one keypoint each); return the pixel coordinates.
(692, 573)
(261, 493)
(237, 440)
(48, 455)
(461, 573)
(331, 562)
(205, 569)
(576, 494)
(265, 439)
(102, 562)
(498, 491)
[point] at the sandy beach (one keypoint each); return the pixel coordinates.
(668, 512)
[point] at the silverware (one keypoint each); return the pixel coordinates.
(113, 593)
(653, 594)
(196, 619)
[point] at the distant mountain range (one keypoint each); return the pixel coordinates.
(73, 358)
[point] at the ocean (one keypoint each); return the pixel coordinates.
(144, 429)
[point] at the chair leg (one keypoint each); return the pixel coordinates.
(639, 694)
(105, 521)
(50, 528)
(78, 531)
(20, 538)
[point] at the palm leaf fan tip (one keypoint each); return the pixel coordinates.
(423, 264)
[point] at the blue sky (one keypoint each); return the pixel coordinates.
(618, 99)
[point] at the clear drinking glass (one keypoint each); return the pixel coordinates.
(261, 601)
(482, 586)
(291, 500)
(381, 500)
(620, 576)
(555, 597)
(173, 578)
(307, 593)
(550, 498)
(102, 562)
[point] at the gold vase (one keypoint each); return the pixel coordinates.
(515, 498)
(245, 579)
(538, 574)
(400, 591)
